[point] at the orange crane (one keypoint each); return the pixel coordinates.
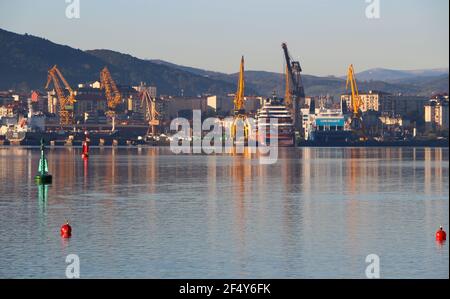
(112, 93)
(355, 102)
(65, 102)
(151, 109)
(239, 105)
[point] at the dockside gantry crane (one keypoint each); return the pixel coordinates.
(151, 110)
(66, 102)
(294, 86)
(239, 106)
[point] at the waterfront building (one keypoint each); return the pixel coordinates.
(224, 105)
(389, 103)
(437, 113)
(183, 106)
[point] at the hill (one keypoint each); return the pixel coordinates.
(388, 75)
(25, 60)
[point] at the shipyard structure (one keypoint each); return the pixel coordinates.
(114, 114)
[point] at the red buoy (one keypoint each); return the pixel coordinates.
(441, 235)
(66, 230)
(85, 152)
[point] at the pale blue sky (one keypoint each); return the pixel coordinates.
(325, 35)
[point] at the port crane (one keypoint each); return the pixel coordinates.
(294, 87)
(355, 102)
(239, 105)
(113, 96)
(66, 102)
(151, 110)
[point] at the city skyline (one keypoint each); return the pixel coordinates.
(313, 30)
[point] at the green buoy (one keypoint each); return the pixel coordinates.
(43, 177)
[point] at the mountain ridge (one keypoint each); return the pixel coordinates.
(26, 60)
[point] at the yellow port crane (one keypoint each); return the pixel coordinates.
(112, 93)
(239, 106)
(65, 102)
(355, 102)
(239, 97)
(151, 110)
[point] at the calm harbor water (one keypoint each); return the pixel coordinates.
(147, 213)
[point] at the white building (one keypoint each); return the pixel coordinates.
(437, 113)
(388, 103)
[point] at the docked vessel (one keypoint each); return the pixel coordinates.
(274, 108)
(15, 136)
(16, 133)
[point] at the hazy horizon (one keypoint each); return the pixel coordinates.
(325, 36)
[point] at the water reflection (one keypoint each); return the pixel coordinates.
(43, 195)
(314, 213)
(42, 208)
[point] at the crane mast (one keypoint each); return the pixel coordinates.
(65, 102)
(297, 91)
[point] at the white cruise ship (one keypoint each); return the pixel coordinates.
(275, 108)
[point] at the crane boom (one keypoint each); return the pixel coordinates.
(355, 99)
(297, 92)
(239, 97)
(65, 102)
(111, 91)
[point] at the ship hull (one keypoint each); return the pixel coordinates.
(282, 133)
(286, 140)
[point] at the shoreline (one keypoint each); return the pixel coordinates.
(387, 145)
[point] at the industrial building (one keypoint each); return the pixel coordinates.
(183, 106)
(221, 105)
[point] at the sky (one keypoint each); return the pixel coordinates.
(324, 35)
